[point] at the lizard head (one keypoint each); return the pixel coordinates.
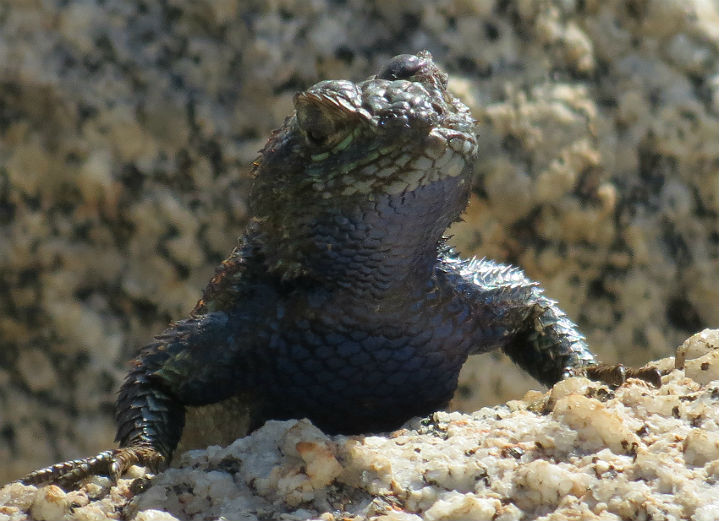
(349, 145)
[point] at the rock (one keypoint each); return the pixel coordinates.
(632, 452)
(698, 356)
(128, 129)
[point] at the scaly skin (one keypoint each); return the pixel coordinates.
(342, 303)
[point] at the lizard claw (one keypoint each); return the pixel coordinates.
(111, 463)
(617, 374)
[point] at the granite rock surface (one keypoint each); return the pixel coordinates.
(127, 129)
(581, 451)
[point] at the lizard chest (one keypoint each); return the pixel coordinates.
(361, 370)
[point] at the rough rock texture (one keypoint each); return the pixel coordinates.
(579, 451)
(127, 128)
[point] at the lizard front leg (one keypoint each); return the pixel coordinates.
(512, 313)
(174, 371)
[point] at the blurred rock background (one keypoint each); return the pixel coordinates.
(127, 129)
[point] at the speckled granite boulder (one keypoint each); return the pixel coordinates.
(579, 451)
(127, 128)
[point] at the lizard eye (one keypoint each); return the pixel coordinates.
(322, 122)
(318, 130)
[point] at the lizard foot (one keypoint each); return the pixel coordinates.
(616, 374)
(112, 463)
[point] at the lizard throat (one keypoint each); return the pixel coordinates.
(366, 244)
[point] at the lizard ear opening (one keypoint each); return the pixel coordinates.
(322, 122)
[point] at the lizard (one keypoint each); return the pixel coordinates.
(342, 302)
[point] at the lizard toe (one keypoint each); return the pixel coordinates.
(111, 463)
